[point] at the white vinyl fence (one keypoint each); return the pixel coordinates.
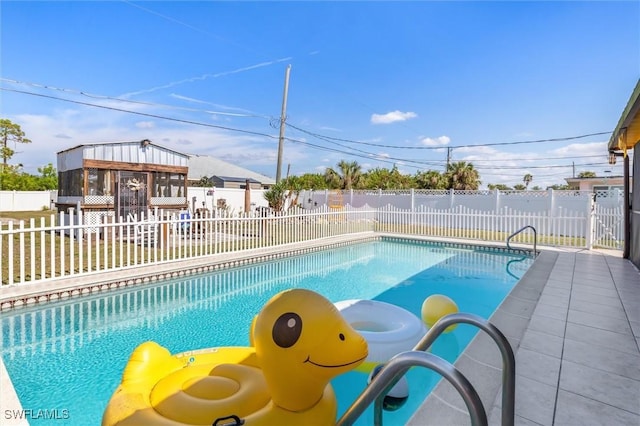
(13, 201)
(64, 245)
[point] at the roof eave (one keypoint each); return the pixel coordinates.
(627, 133)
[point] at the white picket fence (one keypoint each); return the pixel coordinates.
(66, 246)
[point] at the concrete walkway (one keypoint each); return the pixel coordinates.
(574, 324)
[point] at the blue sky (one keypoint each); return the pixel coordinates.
(381, 83)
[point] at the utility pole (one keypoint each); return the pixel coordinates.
(283, 117)
(448, 158)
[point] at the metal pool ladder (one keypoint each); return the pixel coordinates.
(397, 366)
(535, 237)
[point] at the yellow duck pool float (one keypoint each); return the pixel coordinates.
(299, 343)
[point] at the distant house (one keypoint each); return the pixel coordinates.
(224, 175)
(121, 178)
(595, 184)
(234, 182)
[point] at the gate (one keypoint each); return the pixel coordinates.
(608, 227)
(131, 194)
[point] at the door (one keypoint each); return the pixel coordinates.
(132, 194)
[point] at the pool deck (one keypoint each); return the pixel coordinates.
(573, 321)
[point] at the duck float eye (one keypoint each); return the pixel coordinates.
(287, 330)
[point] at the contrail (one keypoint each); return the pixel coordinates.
(204, 77)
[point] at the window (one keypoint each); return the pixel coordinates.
(70, 183)
(99, 182)
(167, 184)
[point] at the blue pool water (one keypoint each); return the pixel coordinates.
(70, 355)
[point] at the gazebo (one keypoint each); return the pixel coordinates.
(121, 179)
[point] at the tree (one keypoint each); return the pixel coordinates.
(313, 181)
(430, 179)
(499, 187)
(527, 180)
(557, 187)
(294, 186)
(462, 175)
(536, 188)
(48, 178)
(282, 193)
(347, 176)
(204, 182)
(275, 196)
(12, 178)
(10, 132)
(586, 174)
(381, 178)
(519, 187)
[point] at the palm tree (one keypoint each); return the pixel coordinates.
(527, 180)
(275, 196)
(462, 175)
(346, 178)
(430, 179)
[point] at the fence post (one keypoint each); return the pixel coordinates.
(590, 222)
(413, 200)
(552, 201)
(451, 198)
(496, 200)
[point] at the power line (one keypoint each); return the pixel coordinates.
(539, 158)
(316, 135)
(179, 120)
(359, 153)
(442, 147)
(369, 156)
(110, 98)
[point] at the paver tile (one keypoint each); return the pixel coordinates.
(578, 410)
(608, 388)
(604, 338)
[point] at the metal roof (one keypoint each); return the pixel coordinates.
(205, 166)
(137, 143)
(234, 179)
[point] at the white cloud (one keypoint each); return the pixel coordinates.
(593, 148)
(333, 129)
(145, 124)
(439, 141)
(392, 117)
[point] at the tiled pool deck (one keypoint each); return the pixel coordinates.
(574, 324)
(573, 321)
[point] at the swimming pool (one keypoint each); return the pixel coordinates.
(60, 353)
